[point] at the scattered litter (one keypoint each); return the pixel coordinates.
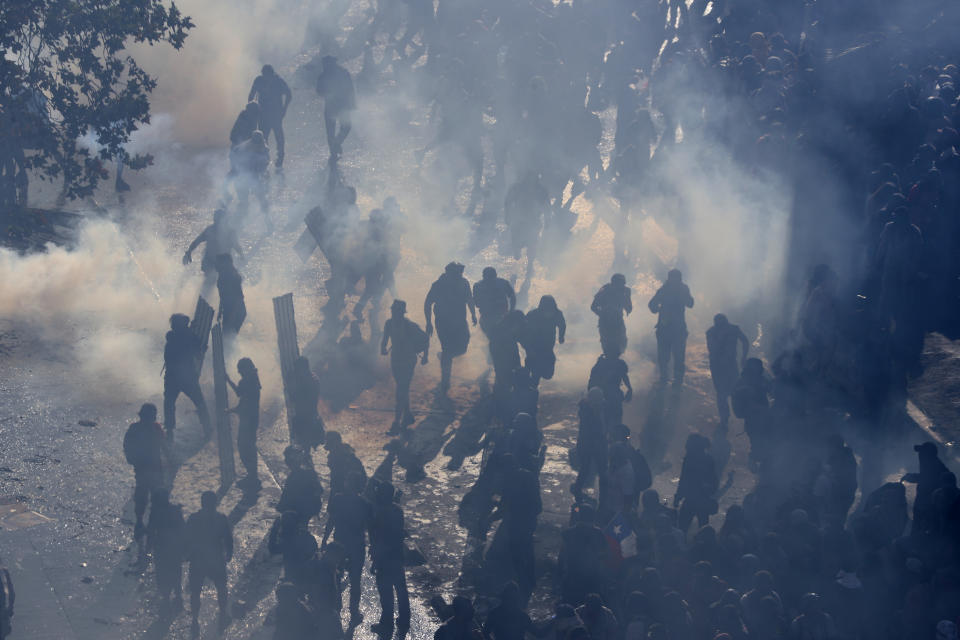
(87, 423)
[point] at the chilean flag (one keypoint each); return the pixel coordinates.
(621, 537)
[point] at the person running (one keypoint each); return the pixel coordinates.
(408, 341)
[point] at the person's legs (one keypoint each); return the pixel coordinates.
(521, 553)
(679, 348)
(176, 580)
(587, 471)
(247, 448)
(663, 355)
(141, 495)
(274, 123)
(330, 124)
(220, 582)
(385, 591)
(723, 405)
(196, 588)
(403, 598)
(192, 390)
(170, 392)
(446, 368)
(345, 126)
(355, 572)
(403, 415)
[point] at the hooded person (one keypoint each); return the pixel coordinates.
(448, 300)
(545, 327)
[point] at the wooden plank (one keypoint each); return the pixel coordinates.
(283, 314)
(224, 432)
(200, 326)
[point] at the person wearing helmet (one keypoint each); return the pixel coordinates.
(610, 304)
(408, 340)
(448, 300)
(671, 302)
(273, 95)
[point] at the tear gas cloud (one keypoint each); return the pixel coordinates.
(724, 226)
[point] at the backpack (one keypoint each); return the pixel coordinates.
(419, 339)
(135, 444)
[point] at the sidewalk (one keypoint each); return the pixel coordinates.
(38, 613)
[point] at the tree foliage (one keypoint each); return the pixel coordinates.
(65, 71)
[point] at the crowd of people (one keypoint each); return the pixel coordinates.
(793, 558)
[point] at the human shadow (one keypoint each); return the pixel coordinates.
(660, 425)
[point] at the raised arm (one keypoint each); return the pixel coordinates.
(254, 89)
(187, 257)
(512, 296)
(561, 327)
